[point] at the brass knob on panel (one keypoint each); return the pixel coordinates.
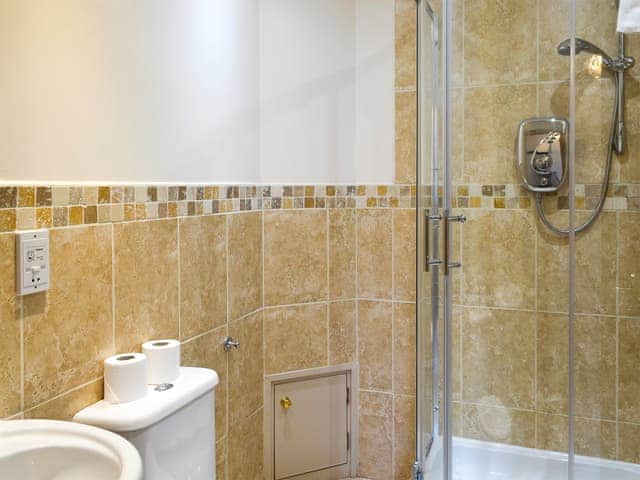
(286, 403)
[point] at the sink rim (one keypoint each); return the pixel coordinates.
(47, 431)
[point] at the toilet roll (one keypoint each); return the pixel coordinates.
(125, 377)
(163, 358)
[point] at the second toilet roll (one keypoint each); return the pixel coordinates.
(125, 377)
(163, 357)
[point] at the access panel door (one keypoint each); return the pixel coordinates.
(311, 428)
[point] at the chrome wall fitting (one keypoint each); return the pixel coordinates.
(230, 343)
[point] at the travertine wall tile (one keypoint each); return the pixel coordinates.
(629, 380)
(499, 424)
(146, 282)
(488, 158)
(488, 27)
(342, 332)
(498, 358)
(404, 254)
(66, 406)
(405, 43)
(246, 369)
(499, 265)
(203, 274)
(404, 348)
(404, 418)
(405, 146)
(245, 263)
(594, 100)
(595, 365)
(206, 352)
(376, 438)
(595, 267)
(595, 438)
(629, 167)
(375, 344)
(629, 442)
(552, 363)
(595, 20)
(10, 397)
(295, 257)
(552, 432)
(342, 254)
(295, 337)
(221, 459)
(68, 330)
(246, 448)
(374, 254)
(629, 264)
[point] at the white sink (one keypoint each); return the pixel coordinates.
(53, 450)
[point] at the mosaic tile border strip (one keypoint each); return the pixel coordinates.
(43, 206)
(619, 197)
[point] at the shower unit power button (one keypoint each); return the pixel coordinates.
(32, 261)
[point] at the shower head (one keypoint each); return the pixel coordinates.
(564, 48)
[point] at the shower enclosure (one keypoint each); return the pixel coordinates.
(528, 337)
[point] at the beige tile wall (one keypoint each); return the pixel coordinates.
(117, 285)
(299, 288)
(511, 377)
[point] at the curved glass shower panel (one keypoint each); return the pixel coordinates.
(429, 175)
(429, 202)
(501, 325)
(607, 256)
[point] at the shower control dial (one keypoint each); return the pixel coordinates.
(542, 163)
(542, 153)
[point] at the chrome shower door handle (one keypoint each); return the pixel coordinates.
(428, 261)
(448, 219)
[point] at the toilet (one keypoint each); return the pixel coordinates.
(173, 427)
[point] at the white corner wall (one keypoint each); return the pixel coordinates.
(229, 91)
(120, 90)
(326, 91)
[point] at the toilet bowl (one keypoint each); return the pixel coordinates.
(173, 427)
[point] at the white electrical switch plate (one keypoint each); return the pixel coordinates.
(32, 261)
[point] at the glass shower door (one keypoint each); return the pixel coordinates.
(429, 171)
(495, 316)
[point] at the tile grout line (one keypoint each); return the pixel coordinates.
(113, 289)
(22, 352)
(328, 266)
(62, 394)
(178, 248)
(262, 316)
(617, 333)
(226, 359)
(535, 251)
(357, 322)
(393, 341)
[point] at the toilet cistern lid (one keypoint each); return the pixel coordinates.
(158, 404)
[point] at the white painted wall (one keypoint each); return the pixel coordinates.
(326, 91)
(121, 90)
(197, 91)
